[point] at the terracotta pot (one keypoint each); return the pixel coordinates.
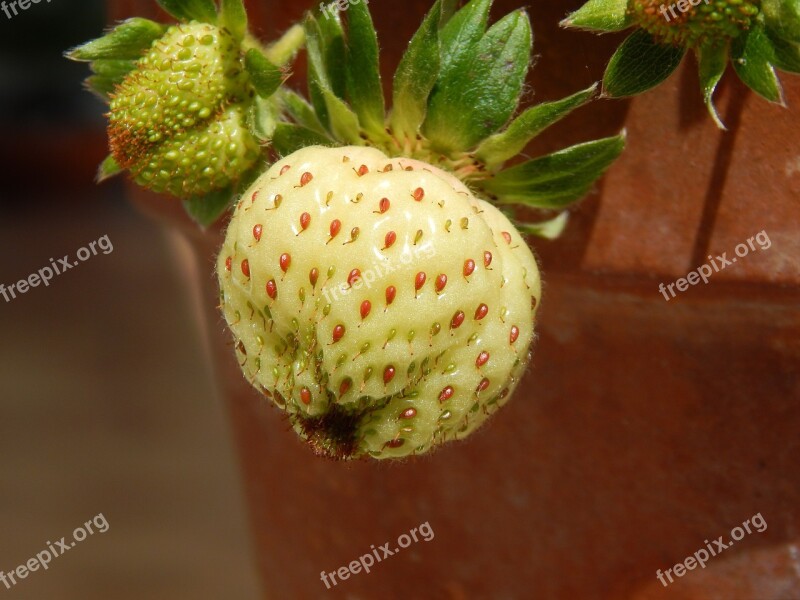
(644, 428)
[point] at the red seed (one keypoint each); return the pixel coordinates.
(408, 413)
(504, 393)
(246, 268)
(481, 311)
(313, 275)
(395, 443)
(272, 289)
(419, 194)
(514, 334)
(285, 168)
(507, 237)
(482, 359)
(285, 262)
(469, 267)
(419, 281)
(533, 302)
(366, 308)
(305, 221)
(388, 374)
(363, 170)
(482, 385)
(336, 227)
(345, 386)
(384, 205)
(441, 282)
(338, 333)
(391, 292)
(390, 239)
(305, 396)
(457, 320)
(487, 259)
(257, 230)
(228, 263)
(354, 276)
(446, 394)
(354, 233)
(253, 197)
(306, 178)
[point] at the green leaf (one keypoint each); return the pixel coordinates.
(191, 10)
(108, 74)
(787, 55)
(343, 121)
(479, 97)
(416, 75)
(600, 15)
(462, 33)
(335, 53)
(233, 16)
(505, 145)
(557, 179)
(289, 138)
(712, 60)
(128, 40)
(322, 49)
(265, 77)
(639, 64)
(549, 230)
(108, 168)
(782, 18)
(364, 89)
(752, 56)
(205, 210)
(263, 118)
(300, 111)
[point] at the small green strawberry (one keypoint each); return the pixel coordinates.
(382, 305)
(191, 106)
(756, 36)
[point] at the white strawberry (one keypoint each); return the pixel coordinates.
(376, 300)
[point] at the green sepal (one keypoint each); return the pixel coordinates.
(205, 210)
(191, 10)
(108, 74)
(752, 56)
(712, 60)
(233, 17)
(344, 123)
(319, 52)
(549, 230)
(557, 179)
(416, 75)
(107, 169)
(364, 90)
(639, 64)
(127, 41)
(334, 50)
(300, 111)
(782, 18)
(289, 138)
(265, 77)
(787, 55)
(477, 99)
(262, 119)
(497, 149)
(600, 15)
(462, 33)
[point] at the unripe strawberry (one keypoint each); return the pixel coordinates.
(377, 301)
(210, 156)
(704, 21)
(190, 86)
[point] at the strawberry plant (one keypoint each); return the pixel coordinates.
(755, 36)
(422, 350)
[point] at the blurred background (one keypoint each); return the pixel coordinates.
(647, 426)
(107, 404)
